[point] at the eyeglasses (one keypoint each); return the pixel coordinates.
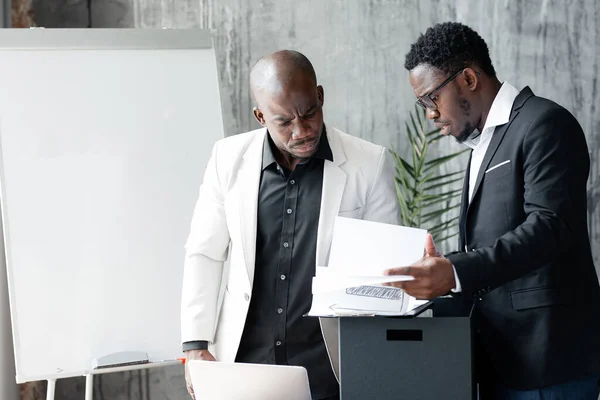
(427, 102)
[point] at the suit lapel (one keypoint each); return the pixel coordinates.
(497, 137)
(464, 204)
(248, 200)
(334, 183)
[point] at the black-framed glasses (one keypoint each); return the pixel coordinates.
(427, 102)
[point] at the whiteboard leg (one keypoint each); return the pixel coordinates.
(89, 387)
(51, 388)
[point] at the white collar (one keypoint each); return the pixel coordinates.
(499, 112)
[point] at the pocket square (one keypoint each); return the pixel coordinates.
(497, 165)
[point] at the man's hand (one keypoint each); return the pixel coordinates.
(195, 355)
(434, 274)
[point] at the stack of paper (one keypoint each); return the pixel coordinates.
(352, 282)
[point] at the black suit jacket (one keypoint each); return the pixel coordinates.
(529, 267)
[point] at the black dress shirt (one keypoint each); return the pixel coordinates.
(276, 332)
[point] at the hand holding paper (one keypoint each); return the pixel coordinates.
(433, 274)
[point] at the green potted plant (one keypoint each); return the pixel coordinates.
(429, 197)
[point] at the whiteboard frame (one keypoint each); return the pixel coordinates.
(85, 39)
(105, 38)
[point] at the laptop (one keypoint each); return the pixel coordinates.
(214, 380)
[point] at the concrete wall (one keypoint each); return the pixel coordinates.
(358, 50)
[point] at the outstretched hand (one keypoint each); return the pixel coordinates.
(433, 273)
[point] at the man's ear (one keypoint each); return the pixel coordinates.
(471, 78)
(321, 95)
(259, 115)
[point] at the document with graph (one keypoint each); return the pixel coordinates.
(351, 284)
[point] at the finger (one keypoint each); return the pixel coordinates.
(397, 285)
(430, 248)
(398, 271)
(407, 286)
(191, 392)
(416, 271)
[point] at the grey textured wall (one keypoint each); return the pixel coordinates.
(358, 50)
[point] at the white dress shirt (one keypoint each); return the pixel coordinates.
(499, 115)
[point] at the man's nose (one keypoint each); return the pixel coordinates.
(432, 114)
(301, 131)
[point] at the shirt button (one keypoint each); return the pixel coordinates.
(282, 277)
(292, 182)
(279, 310)
(278, 343)
(289, 210)
(246, 296)
(286, 244)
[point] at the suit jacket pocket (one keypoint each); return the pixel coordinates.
(535, 297)
(498, 171)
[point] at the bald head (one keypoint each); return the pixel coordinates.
(280, 71)
(289, 104)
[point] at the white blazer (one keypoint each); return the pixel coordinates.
(359, 183)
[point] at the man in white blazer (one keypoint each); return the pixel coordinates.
(264, 220)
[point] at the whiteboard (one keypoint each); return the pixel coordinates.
(104, 138)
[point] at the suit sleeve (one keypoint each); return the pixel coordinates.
(382, 203)
(555, 168)
(205, 253)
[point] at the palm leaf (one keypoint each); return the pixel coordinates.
(442, 160)
(403, 175)
(441, 184)
(413, 145)
(402, 164)
(449, 236)
(417, 181)
(433, 134)
(419, 167)
(443, 198)
(442, 226)
(431, 216)
(414, 125)
(427, 197)
(437, 178)
(436, 138)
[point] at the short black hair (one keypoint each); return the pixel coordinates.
(450, 46)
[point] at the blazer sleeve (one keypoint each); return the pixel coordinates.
(205, 253)
(555, 167)
(382, 203)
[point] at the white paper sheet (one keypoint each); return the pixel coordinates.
(360, 252)
(365, 248)
(330, 279)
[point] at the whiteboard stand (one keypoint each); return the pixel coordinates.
(51, 389)
(89, 387)
(89, 375)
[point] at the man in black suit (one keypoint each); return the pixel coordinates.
(524, 255)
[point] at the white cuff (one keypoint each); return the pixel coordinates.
(458, 287)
